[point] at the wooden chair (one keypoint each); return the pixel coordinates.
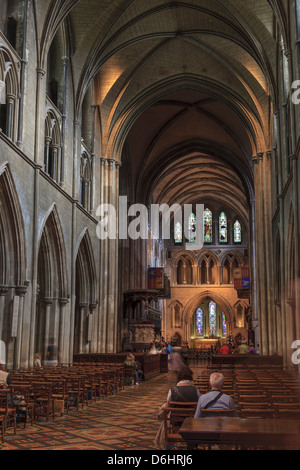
(2, 425)
(256, 413)
(20, 395)
(75, 392)
(214, 412)
(282, 413)
(60, 394)
(7, 411)
(43, 401)
(172, 423)
(129, 372)
(252, 398)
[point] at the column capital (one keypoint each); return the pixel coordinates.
(40, 72)
(63, 302)
(288, 54)
(21, 291)
(3, 290)
(48, 301)
(103, 161)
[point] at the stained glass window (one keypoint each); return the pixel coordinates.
(237, 232)
(192, 228)
(199, 321)
(207, 226)
(223, 228)
(178, 233)
(212, 318)
(224, 325)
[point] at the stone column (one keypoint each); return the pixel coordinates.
(82, 310)
(263, 344)
(47, 154)
(47, 303)
(92, 336)
(61, 341)
(268, 214)
(54, 162)
(3, 292)
(10, 107)
(111, 266)
(21, 292)
(63, 126)
(294, 163)
(103, 259)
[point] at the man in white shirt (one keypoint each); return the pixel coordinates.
(215, 399)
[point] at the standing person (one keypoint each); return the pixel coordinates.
(169, 350)
(37, 360)
(52, 353)
(5, 379)
(185, 353)
(176, 359)
(215, 399)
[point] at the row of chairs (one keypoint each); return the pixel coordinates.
(177, 412)
(45, 392)
(263, 392)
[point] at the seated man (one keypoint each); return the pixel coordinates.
(224, 349)
(215, 399)
(5, 379)
(243, 348)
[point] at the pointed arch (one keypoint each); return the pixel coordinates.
(52, 253)
(86, 269)
(12, 232)
(290, 255)
(199, 298)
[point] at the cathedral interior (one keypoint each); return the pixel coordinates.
(134, 105)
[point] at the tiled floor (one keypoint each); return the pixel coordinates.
(126, 421)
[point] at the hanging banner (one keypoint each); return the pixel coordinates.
(241, 278)
(156, 278)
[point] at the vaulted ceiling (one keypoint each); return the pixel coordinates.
(185, 89)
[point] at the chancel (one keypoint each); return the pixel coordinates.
(149, 205)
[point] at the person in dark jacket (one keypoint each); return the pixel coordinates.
(184, 391)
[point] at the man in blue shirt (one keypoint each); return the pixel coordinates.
(215, 398)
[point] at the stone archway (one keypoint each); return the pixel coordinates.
(52, 291)
(197, 300)
(85, 296)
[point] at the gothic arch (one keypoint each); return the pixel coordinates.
(208, 264)
(85, 292)
(12, 232)
(52, 250)
(198, 299)
(9, 93)
(239, 313)
(85, 263)
(184, 269)
(176, 309)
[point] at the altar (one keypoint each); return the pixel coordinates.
(206, 343)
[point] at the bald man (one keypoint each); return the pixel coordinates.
(215, 399)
